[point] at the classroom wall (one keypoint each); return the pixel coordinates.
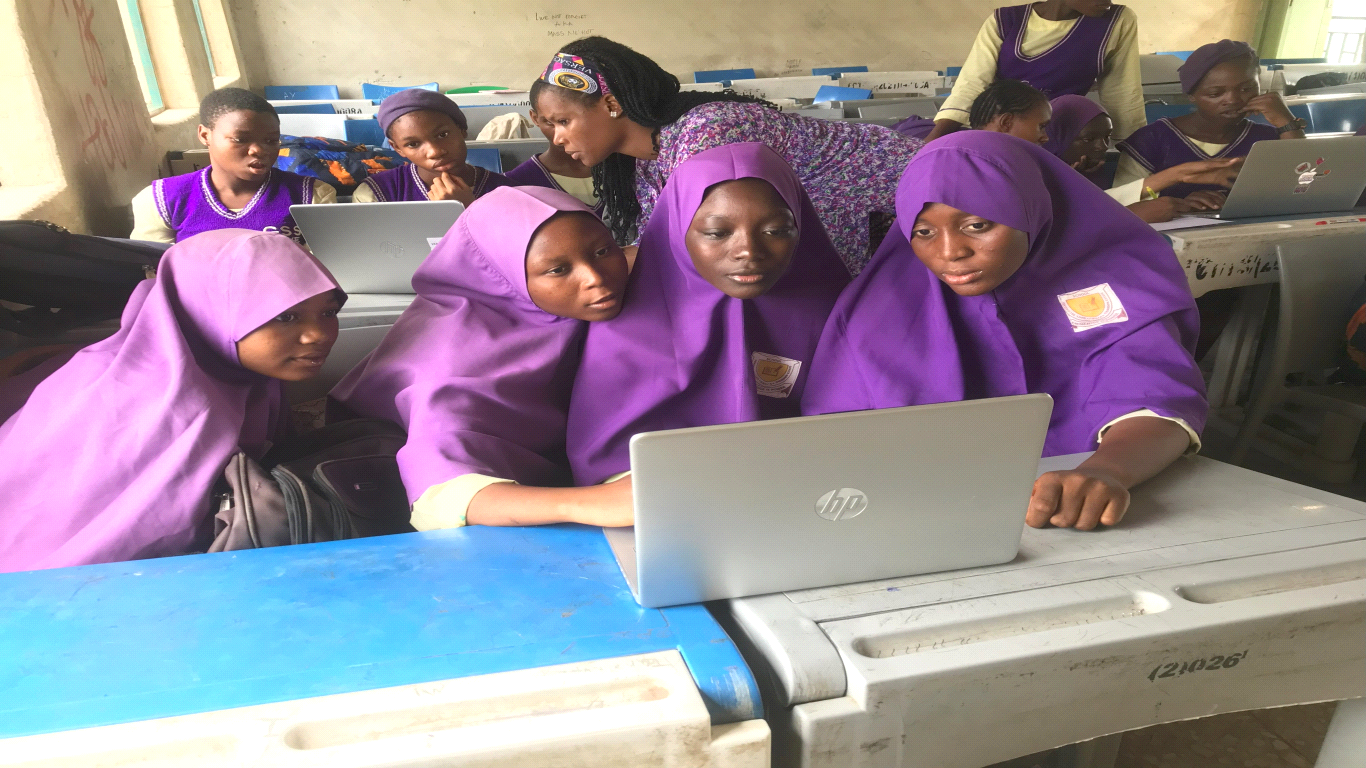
(346, 42)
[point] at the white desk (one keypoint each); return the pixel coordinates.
(1236, 255)
(1223, 590)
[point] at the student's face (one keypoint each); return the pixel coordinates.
(1092, 8)
(588, 133)
(243, 144)
(574, 269)
(1030, 126)
(742, 237)
(548, 131)
(970, 254)
(1223, 93)
(1092, 142)
(430, 140)
(293, 346)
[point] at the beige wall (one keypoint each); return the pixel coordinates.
(507, 42)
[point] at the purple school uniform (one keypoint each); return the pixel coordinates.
(1161, 145)
(402, 184)
(189, 204)
(533, 173)
(1071, 66)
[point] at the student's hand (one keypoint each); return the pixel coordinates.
(1080, 498)
(1160, 210)
(1272, 107)
(1086, 166)
(1206, 200)
(1219, 172)
(448, 187)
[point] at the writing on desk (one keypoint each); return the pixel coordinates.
(1179, 668)
(1253, 265)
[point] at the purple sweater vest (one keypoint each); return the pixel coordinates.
(402, 184)
(1071, 66)
(189, 204)
(1161, 145)
(533, 173)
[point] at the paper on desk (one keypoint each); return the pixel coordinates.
(1187, 222)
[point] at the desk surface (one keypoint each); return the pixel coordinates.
(122, 642)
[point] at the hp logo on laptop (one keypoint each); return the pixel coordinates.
(842, 504)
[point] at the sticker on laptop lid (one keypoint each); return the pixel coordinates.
(432, 241)
(1092, 307)
(774, 376)
(1306, 173)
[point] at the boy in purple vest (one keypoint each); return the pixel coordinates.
(429, 131)
(1221, 79)
(240, 189)
(1057, 46)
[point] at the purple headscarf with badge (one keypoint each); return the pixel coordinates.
(1209, 56)
(473, 369)
(414, 100)
(114, 456)
(1099, 316)
(684, 354)
(1071, 113)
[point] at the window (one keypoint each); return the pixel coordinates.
(204, 35)
(142, 57)
(1345, 37)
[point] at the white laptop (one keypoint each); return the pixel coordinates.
(375, 247)
(1293, 176)
(774, 506)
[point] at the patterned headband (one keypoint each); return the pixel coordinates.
(569, 71)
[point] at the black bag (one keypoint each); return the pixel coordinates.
(67, 280)
(339, 482)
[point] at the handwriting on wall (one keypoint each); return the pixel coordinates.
(109, 125)
(571, 25)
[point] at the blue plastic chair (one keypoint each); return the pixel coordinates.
(381, 92)
(1182, 55)
(828, 93)
(952, 71)
(1156, 112)
(301, 92)
(1319, 60)
(485, 157)
(722, 75)
(835, 72)
(1332, 116)
(305, 109)
(364, 132)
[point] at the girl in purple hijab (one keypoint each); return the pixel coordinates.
(478, 368)
(114, 456)
(733, 282)
(1012, 274)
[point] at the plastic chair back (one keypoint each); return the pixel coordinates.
(485, 157)
(1337, 115)
(364, 132)
(835, 72)
(301, 92)
(372, 91)
(723, 75)
(305, 109)
(835, 93)
(1318, 278)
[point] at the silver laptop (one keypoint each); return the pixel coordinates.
(773, 506)
(1292, 176)
(375, 247)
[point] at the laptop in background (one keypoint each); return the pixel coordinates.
(375, 247)
(1293, 176)
(774, 506)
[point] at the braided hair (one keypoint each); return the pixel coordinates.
(650, 97)
(1004, 97)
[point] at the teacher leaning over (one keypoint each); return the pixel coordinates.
(619, 112)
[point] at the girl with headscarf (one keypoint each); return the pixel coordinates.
(1079, 133)
(1221, 80)
(114, 456)
(1012, 274)
(478, 368)
(733, 283)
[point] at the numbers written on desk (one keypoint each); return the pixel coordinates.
(1179, 668)
(1247, 266)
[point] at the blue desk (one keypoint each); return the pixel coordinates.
(124, 642)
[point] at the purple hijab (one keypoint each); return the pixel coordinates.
(1071, 113)
(114, 455)
(680, 354)
(900, 337)
(476, 372)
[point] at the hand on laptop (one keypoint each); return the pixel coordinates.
(448, 187)
(1162, 209)
(1220, 172)
(1206, 200)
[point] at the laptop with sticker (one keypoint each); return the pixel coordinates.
(1294, 176)
(375, 247)
(772, 506)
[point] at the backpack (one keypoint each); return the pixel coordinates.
(338, 482)
(67, 280)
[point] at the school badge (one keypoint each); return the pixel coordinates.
(1092, 307)
(774, 376)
